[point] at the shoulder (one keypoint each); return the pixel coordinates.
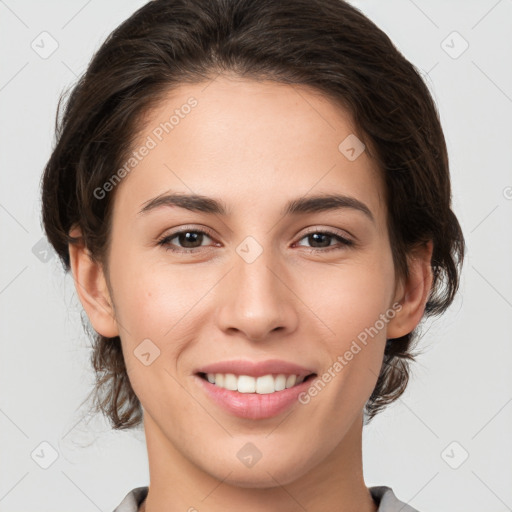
(383, 496)
(132, 500)
(387, 501)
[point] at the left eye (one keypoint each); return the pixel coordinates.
(324, 239)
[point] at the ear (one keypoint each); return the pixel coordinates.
(412, 293)
(91, 286)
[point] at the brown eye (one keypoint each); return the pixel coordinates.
(186, 239)
(319, 240)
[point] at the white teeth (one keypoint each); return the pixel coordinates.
(280, 382)
(290, 381)
(246, 384)
(230, 381)
(265, 384)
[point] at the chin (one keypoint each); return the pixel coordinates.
(262, 475)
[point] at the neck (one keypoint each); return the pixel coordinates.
(335, 483)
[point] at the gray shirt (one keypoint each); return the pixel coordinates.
(382, 495)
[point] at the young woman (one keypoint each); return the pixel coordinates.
(254, 200)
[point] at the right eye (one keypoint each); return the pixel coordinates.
(189, 239)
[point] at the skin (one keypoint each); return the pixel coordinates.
(255, 146)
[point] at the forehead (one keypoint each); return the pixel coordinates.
(249, 142)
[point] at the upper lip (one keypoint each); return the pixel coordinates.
(256, 368)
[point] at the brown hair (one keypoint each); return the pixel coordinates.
(325, 44)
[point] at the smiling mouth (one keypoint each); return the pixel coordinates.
(265, 384)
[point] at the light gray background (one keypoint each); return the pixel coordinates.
(461, 387)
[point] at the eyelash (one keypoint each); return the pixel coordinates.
(165, 241)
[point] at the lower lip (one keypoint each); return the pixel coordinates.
(254, 406)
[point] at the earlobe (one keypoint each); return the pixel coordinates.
(92, 289)
(413, 293)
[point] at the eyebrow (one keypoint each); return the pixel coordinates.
(301, 205)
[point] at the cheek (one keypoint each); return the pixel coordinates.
(157, 300)
(353, 301)
(153, 305)
(150, 298)
(348, 298)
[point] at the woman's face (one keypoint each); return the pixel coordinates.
(253, 282)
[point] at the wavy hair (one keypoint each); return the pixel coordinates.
(328, 45)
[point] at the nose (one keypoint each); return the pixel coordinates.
(257, 300)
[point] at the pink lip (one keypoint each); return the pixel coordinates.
(255, 369)
(253, 406)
